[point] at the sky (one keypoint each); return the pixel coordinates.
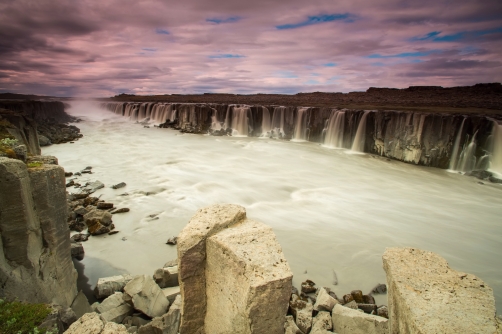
(107, 47)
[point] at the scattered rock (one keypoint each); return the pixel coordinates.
(119, 185)
(121, 210)
(308, 287)
(347, 298)
(92, 187)
(382, 311)
(358, 296)
(114, 308)
(104, 206)
(70, 184)
(79, 237)
(352, 304)
(77, 225)
(146, 296)
(302, 311)
(80, 305)
(88, 323)
(172, 241)
(68, 174)
(166, 324)
(324, 301)
(104, 217)
(96, 227)
(368, 308)
(166, 277)
(368, 299)
(106, 286)
(113, 232)
(44, 141)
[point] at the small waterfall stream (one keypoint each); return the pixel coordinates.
(240, 127)
(358, 144)
(301, 127)
(215, 124)
(334, 129)
(496, 161)
(456, 148)
(467, 160)
(278, 122)
(265, 123)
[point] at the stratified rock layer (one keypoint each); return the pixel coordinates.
(427, 296)
(35, 255)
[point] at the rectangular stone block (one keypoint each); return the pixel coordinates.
(427, 296)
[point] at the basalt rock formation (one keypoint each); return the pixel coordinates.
(35, 256)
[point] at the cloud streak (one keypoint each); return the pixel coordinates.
(89, 48)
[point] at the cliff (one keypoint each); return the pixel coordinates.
(35, 259)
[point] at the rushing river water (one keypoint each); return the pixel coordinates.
(331, 211)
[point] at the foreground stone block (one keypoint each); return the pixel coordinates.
(350, 321)
(248, 281)
(324, 302)
(166, 324)
(88, 323)
(427, 296)
(146, 296)
(192, 259)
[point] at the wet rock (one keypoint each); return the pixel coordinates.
(480, 174)
(70, 184)
(121, 210)
(379, 289)
(290, 326)
(80, 195)
(322, 323)
(106, 286)
(367, 308)
(86, 172)
(90, 201)
(79, 237)
(146, 296)
(302, 311)
(104, 206)
(119, 185)
(347, 298)
(77, 250)
(493, 179)
(96, 227)
(294, 291)
(350, 321)
(172, 241)
(68, 174)
(113, 232)
(104, 217)
(308, 287)
(21, 152)
(80, 210)
(77, 225)
(382, 311)
(324, 301)
(77, 174)
(358, 296)
(92, 187)
(368, 299)
(171, 263)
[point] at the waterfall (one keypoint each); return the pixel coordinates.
(334, 130)
(301, 129)
(467, 160)
(496, 161)
(227, 124)
(265, 123)
(278, 122)
(240, 126)
(215, 125)
(358, 144)
(456, 148)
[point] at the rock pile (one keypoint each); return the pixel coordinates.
(52, 132)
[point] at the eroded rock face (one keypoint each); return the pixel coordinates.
(427, 296)
(233, 275)
(35, 255)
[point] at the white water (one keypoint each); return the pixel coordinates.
(330, 211)
(358, 144)
(334, 129)
(265, 123)
(456, 148)
(300, 131)
(240, 127)
(278, 122)
(467, 160)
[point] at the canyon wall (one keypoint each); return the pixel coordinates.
(38, 111)
(35, 259)
(455, 141)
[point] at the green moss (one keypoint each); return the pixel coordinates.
(22, 318)
(35, 164)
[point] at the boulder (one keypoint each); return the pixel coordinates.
(44, 141)
(383, 311)
(166, 324)
(321, 323)
(350, 321)
(104, 217)
(427, 296)
(308, 287)
(77, 250)
(290, 326)
(324, 301)
(146, 296)
(358, 296)
(96, 227)
(166, 277)
(92, 187)
(192, 258)
(248, 280)
(114, 308)
(107, 286)
(171, 293)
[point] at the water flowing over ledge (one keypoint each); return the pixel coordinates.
(450, 141)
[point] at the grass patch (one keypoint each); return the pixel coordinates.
(22, 318)
(34, 164)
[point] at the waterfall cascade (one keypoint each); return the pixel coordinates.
(278, 122)
(162, 112)
(334, 129)
(456, 148)
(467, 159)
(215, 124)
(237, 120)
(265, 123)
(496, 160)
(358, 144)
(301, 125)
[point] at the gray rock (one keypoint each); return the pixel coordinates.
(146, 296)
(290, 326)
(166, 324)
(80, 210)
(104, 206)
(21, 152)
(308, 287)
(324, 301)
(172, 241)
(166, 277)
(80, 305)
(302, 311)
(171, 293)
(379, 289)
(107, 286)
(367, 308)
(110, 302)
(352, 304)
(119, 185)
(92, 187)
(44, 141)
